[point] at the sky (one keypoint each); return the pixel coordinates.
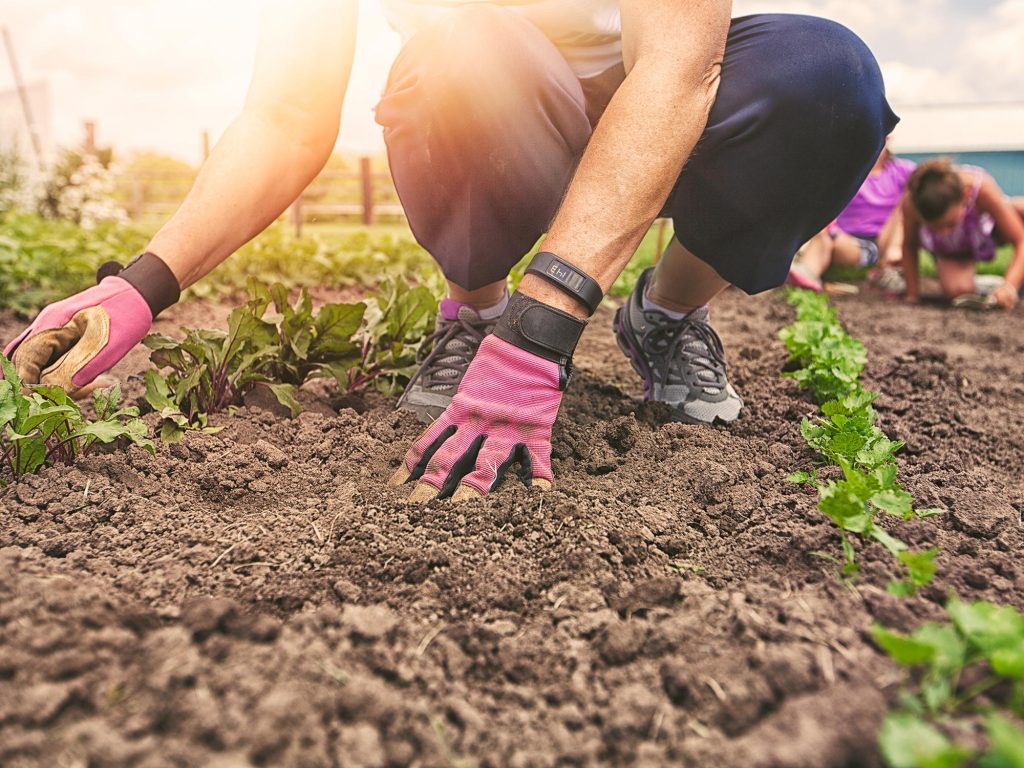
(153, 74)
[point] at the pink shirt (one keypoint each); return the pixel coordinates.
(876, 199)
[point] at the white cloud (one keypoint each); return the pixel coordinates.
(155, 74)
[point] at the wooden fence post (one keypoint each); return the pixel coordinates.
(297, 217)
(90, 138)
(367, 178)
(138, 201)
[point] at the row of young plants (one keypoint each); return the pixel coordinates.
(269, 341)
(846, 435)
(281, 345)
(968, 673)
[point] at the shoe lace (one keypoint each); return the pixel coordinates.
(694, 341)
(438, 354)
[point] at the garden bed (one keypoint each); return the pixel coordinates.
(259, 597)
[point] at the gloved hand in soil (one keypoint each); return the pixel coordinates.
(503, 411)
(73, 341)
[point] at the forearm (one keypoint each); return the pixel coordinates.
(911, 271)
(253, 174)
(1015, 272)
(631, 164)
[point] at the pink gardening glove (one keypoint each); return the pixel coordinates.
(501, 414)
(73, 341)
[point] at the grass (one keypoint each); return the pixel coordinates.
(997, 266)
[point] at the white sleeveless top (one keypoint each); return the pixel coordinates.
(587, 32)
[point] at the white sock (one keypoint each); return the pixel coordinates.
(650, 306)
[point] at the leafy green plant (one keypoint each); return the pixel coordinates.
(333, 258)
(359, 344)
(847, 431)
(398, 321)
(830, 360)
(46, 427)
(972, 665)
(42, 261)
(853, 504)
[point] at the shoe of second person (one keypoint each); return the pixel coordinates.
(681, 362)
(445, 356)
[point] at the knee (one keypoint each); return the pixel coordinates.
(473, 49)
(829, 80)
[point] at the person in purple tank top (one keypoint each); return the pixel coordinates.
(868, 231)
(960, 216)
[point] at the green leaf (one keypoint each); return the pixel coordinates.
(920, 565)
(996, 630)
(285, 394)
(890, 542)
(907, 741)
(800, 478)
(949, 648)
(9, 399)
(895, 502)
(907, 651)
(1006, 743)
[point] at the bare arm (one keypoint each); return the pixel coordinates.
(1008, 225)
(279, 142)
(673, 54)
(911, 246)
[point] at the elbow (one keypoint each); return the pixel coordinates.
(311, 130)
(696, 79)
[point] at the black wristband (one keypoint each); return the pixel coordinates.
(568, 278)
(150, 276)
(539, 329)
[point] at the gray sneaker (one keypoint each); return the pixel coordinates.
(681, 362)
(445, 356)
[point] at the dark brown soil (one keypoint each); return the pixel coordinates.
(257, 597)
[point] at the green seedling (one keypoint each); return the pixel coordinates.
(830, 360)
(982, 643)
(45, 426)
(846, 431)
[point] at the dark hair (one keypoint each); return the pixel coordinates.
(934, 187)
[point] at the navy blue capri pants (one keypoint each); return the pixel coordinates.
(485, 122)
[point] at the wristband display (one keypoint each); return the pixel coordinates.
(568, 278)
(150, 276)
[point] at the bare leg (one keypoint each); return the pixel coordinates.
(816, 255)
(846, 251)
(890, 241)
(956, 276)
(481, 298)
(682, 282)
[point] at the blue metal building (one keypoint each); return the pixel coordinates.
(1006, 166)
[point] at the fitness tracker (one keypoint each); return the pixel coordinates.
(568, 278)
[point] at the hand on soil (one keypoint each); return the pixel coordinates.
(1005, 296)
(500, 418)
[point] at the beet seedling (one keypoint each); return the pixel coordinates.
(46, 426)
